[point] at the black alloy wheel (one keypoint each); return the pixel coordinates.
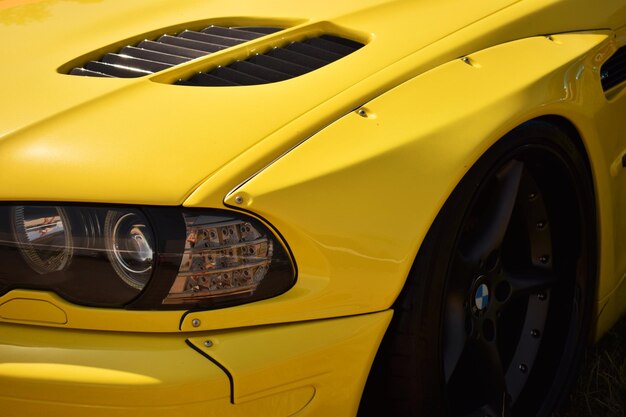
(496, 313)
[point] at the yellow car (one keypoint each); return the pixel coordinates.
(331, 208)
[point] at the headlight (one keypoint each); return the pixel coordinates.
(141, 258)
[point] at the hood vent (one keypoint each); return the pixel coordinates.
(277, 64)
(613, 72)
(148, 56)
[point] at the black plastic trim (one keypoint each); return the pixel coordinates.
(219, 365)
(613, 71)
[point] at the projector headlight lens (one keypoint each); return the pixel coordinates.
(130, 246)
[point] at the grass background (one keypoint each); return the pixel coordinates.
(601, 388)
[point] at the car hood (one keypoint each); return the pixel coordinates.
(140, 141)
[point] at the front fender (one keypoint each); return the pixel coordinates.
(355, 201)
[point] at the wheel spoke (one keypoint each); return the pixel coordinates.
(534, 281)
(490, 374)
(463, 269)
(497, 216)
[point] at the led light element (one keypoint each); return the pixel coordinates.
(43, 236)
(220, 258)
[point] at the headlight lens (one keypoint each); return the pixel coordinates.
(142, 258)
(43, 236)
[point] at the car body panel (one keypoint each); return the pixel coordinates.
(516, 22)
(59, 138)
(74, 372)
(333, 356)
(265, 371)
(58, 135)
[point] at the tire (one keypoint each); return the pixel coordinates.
(496, 312)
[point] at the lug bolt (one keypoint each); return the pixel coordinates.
(532, 196)
(541, 296)
(535, 333)
(523, 368)
(541, 225)
(544, 259)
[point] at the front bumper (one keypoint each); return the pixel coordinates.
(315, 368)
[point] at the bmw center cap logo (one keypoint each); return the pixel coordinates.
(481, 297)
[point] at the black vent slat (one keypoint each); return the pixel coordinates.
(171, 49)
(346, 42)
(259, 71)
(131, 62)
(232, 33)
(114, 70)
(279, 65)
(313, 51)
(613, 75)
(613, 72)
(300, 59)
(336, 47)
(86, 72)
(265, 30)
(190, 43)
(153, 55)
(203, 78)
(150, 56)
(238, 77)
(214, 39)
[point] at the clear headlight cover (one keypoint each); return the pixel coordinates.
(141, 258)
(44, 237)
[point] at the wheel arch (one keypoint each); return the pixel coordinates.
(414, 288)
